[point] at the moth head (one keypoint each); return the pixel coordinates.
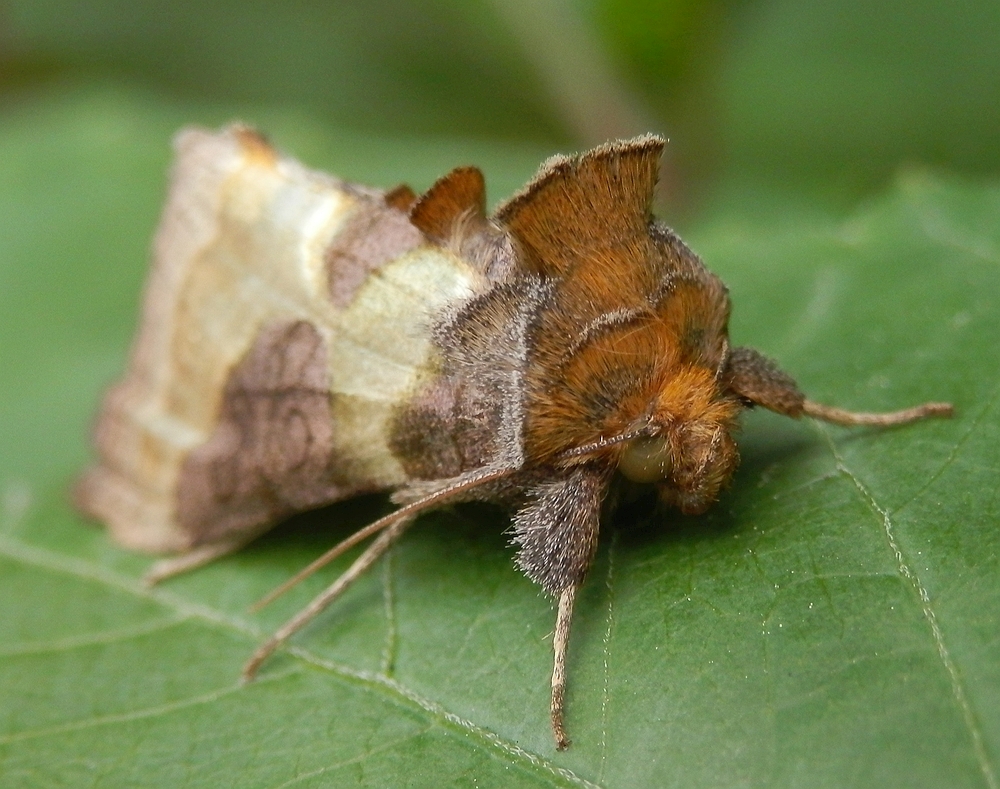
(686, 448)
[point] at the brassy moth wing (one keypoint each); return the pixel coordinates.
(286, 314)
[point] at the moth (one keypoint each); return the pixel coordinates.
(304, 340)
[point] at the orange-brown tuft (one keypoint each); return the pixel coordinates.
(596, 201)
(608, 361)
(256, 147)
(691, 395)
(459, 194)
(400, 197)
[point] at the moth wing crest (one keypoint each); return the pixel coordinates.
(461, 194)
(576, 205)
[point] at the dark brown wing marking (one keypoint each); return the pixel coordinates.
(375, 235)
(270, 454)
(470, 414)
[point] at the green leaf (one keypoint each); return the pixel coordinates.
(833, 621)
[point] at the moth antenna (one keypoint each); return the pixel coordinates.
(840, 416)
(560, 641)
(396, 523)
(604, 443)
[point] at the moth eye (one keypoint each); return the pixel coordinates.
(646, 459)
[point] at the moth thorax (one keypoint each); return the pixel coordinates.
(646, 459)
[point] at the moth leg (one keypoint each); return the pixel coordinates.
(341, 547)
(192, 560)
(431, 496)
(560, 642)
(557, 534)
(325, 598)
(760, 381)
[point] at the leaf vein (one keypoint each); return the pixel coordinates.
(133, 715)
(957, 688)
(437, 711)
(93, 639)
(40, 557)
(354, 759)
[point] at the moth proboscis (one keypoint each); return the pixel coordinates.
(305, 340)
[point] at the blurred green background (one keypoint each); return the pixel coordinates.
(832, 622)
(822, 99)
